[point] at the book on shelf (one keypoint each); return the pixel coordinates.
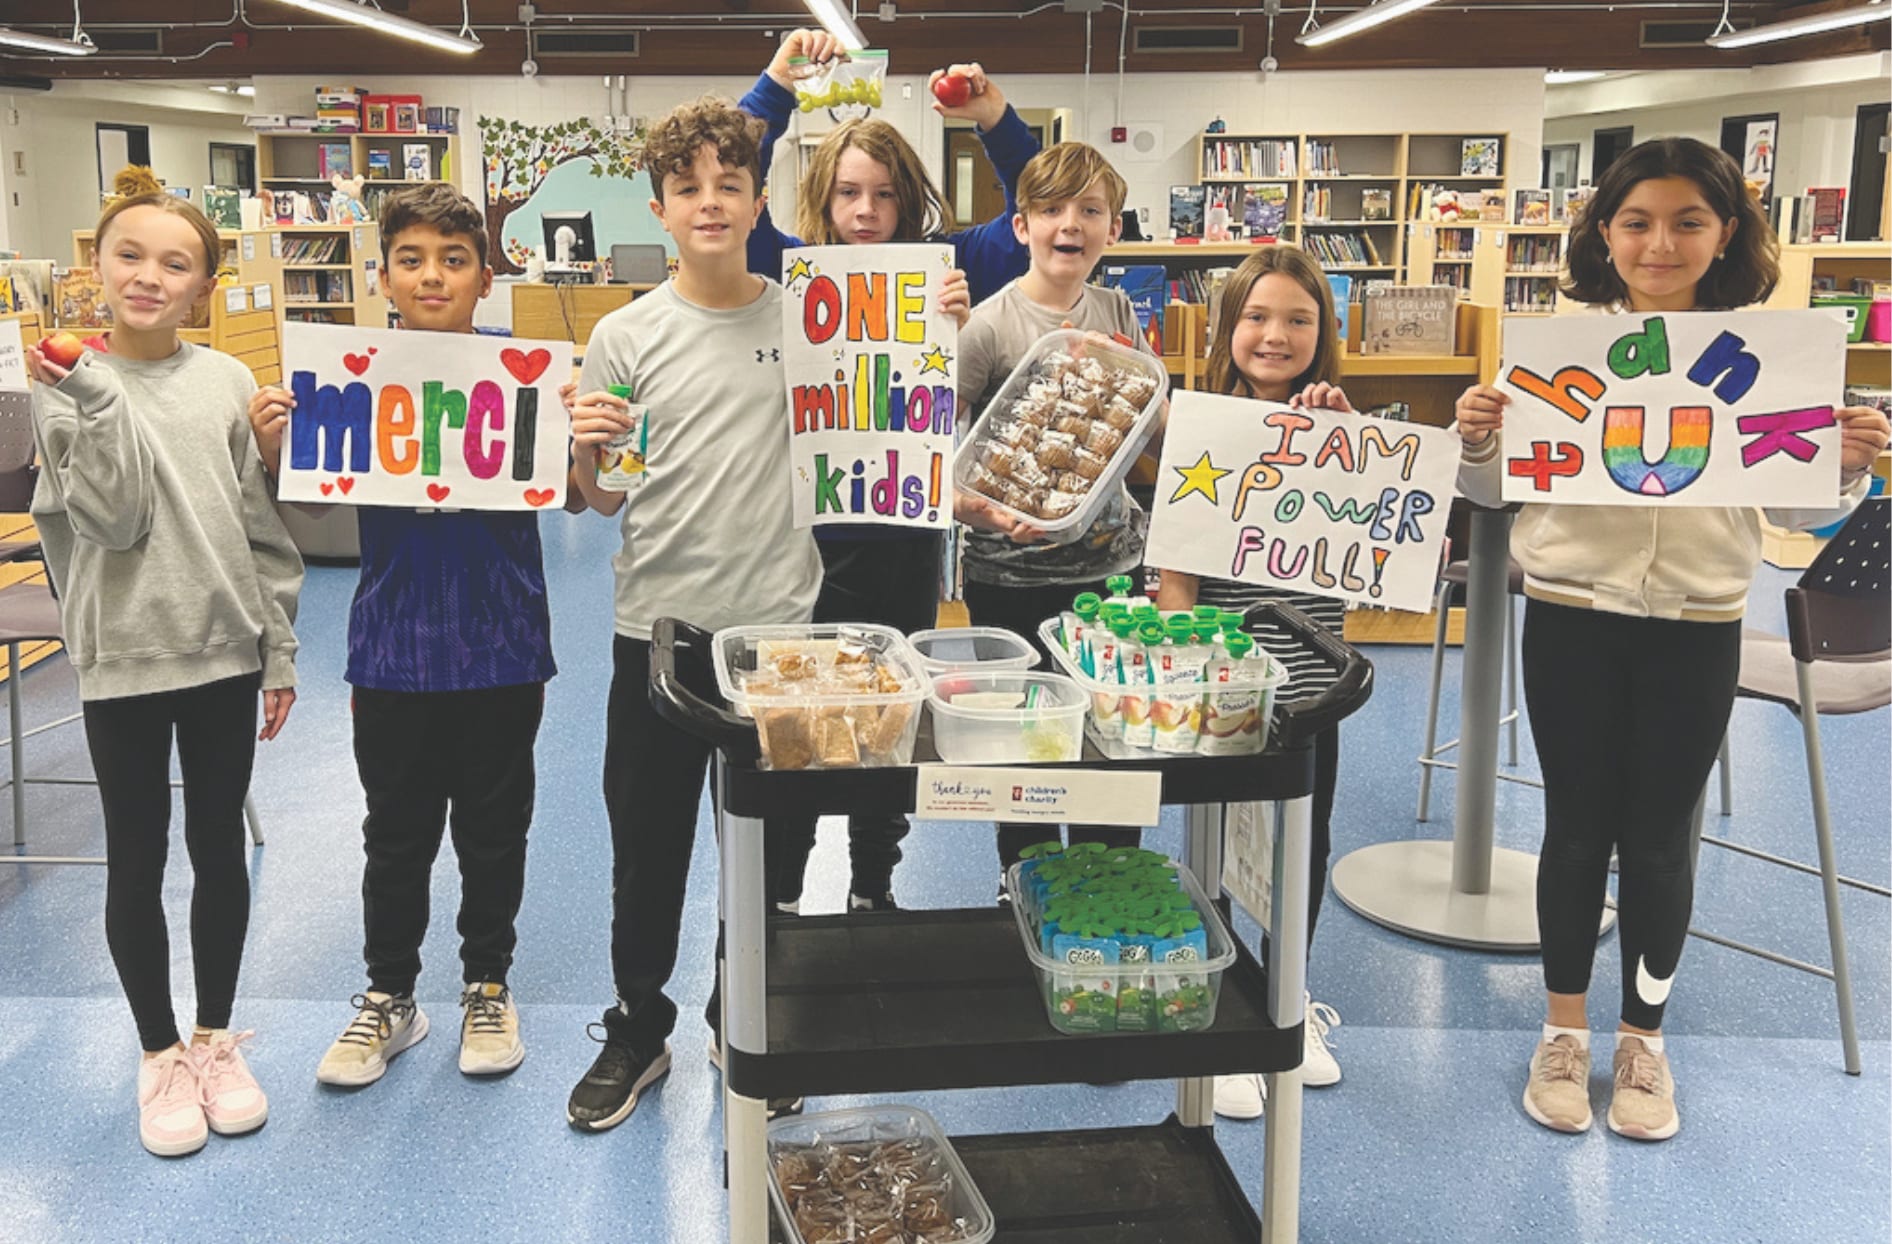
(380, 164)
(1408, 319)
(1479, 157)
(1322, 159)
(333, 158)
(1828, 213)
(1875, 396)
(1568, 205)
(1317, 203)
(224, 206)
(30, 282)
(1231, 159)
(1491, 206)
(417, 162)
(1265, 208)
(1529, 294)
(1530, 207)
(1792, 217)
(1342, 285)
(1186, 206)
(1147, 288)
(1344, 249)
(1535, 253)
(1376, 204)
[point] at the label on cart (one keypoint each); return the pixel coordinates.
(1079, 796)
(1248, 859)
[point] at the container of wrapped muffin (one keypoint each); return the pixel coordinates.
(824, 696)
(1054, 444)
(875, 1175)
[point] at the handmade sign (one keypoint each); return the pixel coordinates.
(1726, 408)
(429, 420)
(1312, 501)
(872, 383)
(12, 356)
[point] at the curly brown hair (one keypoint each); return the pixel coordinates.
(1223, 375)
(673, 144)
(435, 205)
(922, 212)
(1744, 275)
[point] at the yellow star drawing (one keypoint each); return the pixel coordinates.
(1199, 478)
(934, 359)
(797, 270)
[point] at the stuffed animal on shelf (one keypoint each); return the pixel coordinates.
(1445, 206)
(345, 206)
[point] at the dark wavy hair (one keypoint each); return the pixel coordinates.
(1748, 271)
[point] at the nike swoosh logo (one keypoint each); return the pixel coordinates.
(1652, 990)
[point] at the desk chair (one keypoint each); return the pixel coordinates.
(1835, 659)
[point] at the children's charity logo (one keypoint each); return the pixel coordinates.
(872, 384)
(1682, 408)
(1318, 501)
(429, 420)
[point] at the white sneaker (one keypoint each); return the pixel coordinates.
(1318, 1068)
(1240, 1097)
(489, 1032)
(171, 1105)
(383, 1026)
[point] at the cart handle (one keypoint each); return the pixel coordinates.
(1302, 719)
(676, 703)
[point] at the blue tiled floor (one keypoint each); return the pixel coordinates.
(1423, 1140)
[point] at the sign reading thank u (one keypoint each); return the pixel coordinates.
(1697, 408)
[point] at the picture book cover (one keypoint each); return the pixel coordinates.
(1478, 157)
(224, 206)
(1408, 319)
(1491, 206)
(333, 158)
(1829, 212)
(1376, 204)
(1186, 208)
(1265, 208)
(380, 165)
(1342, 285)
(1530, 207)
(1145, 285)
(417, 162)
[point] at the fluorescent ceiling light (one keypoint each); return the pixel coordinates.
(40, 43)
(386, 23)
(1361, 19)
(1817, 23)
(1564, 77)
(836, 21)
(233, 89)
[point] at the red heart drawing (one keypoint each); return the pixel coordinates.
(437, 493)
(326, 489)
(540, 496)
(345, 482)
(356, 363)
(526, 367)
(373, 350)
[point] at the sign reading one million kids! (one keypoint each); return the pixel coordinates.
(427, 420)
(1315, 501)
(872, 384)
(1723, 408)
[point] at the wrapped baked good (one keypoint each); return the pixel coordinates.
(1103, 439)
(1069, 481)
(999, 458)
(835, 746)
(986, 484)
(1020, 498)
(1070, 419)
(1120, 414)
(1026, 473)
(788, 737)
(887, 731)
(1057, 451)
(795, 666)
(1018, 433)
(1055, 505)
(1091, 464)
(1137, 388)
(1094, 373)
(1056, 364)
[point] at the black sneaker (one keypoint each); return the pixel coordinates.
(858, 903)
(609, 1091)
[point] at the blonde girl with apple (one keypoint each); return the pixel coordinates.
(1632, 636)
(177, 587)
(1277, 340)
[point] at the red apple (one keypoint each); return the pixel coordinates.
(952, 89)
(62, 349)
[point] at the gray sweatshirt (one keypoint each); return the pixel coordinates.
(172, 567)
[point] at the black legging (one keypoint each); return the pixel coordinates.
(130, 741)
(1628, 714)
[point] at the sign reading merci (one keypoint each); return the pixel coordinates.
(1679, 408)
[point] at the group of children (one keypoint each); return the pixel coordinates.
(179, 586)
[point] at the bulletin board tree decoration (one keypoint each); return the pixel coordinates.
(519, 157)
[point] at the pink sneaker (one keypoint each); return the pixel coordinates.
(170, 1105)
(233, 1103)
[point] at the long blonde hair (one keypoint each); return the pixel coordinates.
(1300, 267)
(922, 211)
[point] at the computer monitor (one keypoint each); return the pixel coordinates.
(578, 245)
(639, 263)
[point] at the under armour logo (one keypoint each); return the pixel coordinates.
(768, 356)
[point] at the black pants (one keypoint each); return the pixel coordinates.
(425, 756)
(894, 583)
(1628, 714)
(1021, 609)
(130, 741)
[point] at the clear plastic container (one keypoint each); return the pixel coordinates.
(1243, 734)
(972, 647)
(893, 1145)
(1000, 717)
(1126, 372)
(1115, 997)
(824, 696)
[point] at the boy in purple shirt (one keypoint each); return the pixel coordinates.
(449, 640)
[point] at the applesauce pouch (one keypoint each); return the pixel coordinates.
(622, 460)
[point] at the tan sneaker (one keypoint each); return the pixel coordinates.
(1643, 1105)
(383, 1026)
(1558, 1092)
(489, 1033)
